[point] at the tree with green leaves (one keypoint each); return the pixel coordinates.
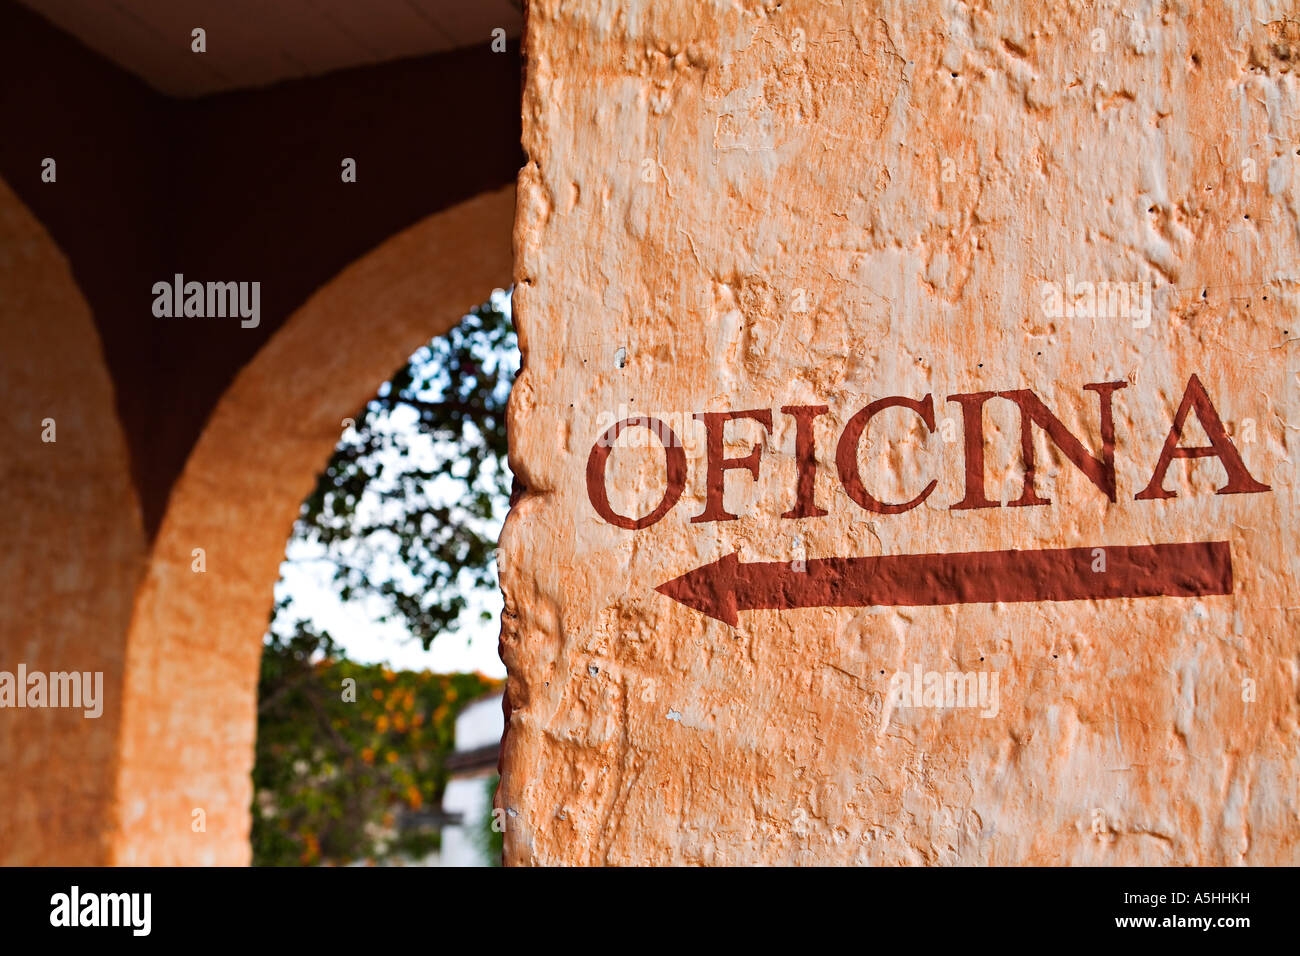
(349, 754)
(408, 506)
(405, 514)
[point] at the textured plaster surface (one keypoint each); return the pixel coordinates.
(747, 205)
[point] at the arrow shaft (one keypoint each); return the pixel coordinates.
(986, 577)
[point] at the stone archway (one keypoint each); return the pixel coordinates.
(74, 547)
(195, 639)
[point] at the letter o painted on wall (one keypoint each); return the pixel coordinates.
(675, 462)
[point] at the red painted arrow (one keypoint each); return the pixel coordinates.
(725, 587)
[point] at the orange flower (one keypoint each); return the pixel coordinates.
(311, 852)
(368, 755)
(391, 756)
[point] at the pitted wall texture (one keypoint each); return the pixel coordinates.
(752, 206)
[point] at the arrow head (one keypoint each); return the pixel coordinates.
(709, 589)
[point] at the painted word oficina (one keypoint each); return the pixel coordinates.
(1099, 469)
